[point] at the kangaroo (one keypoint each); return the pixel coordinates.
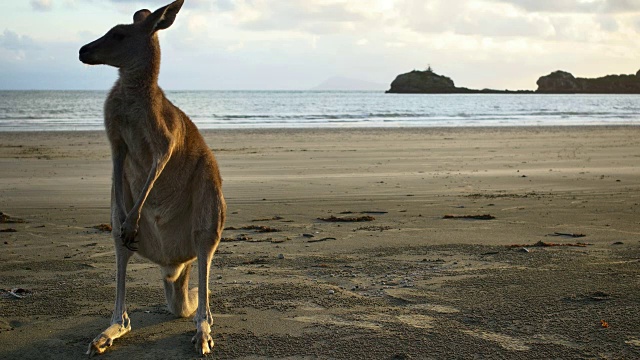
(166, 195)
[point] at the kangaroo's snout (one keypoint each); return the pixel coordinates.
(85, 55)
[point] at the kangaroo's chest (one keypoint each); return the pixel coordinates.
(125, 124)
(128, 121)
(125, 120)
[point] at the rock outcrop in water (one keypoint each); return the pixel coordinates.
(558, 82)
(422, 82)
(562, 82)
(428, 82)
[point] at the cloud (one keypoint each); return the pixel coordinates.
(315, 17)
(607, 23)
(576, 6)
(389, 36)
(28, 63)
(475, 17)
(160, 3)
(42, 5)
(224, 5)
(622, 6)
(260, 44)
(12, 41)
(540, 20)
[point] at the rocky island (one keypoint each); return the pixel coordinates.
(562, 82)
(428, 82)
(558, 82)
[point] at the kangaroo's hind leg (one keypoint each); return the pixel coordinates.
(203, 318)
(120, 323)
(180, 300)
(207, 222)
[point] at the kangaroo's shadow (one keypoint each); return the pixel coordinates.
(156, 333)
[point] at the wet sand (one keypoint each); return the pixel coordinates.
(406, 284)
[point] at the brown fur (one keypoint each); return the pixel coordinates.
(166, 201)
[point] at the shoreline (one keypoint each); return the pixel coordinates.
(357, 128)
(407, 283)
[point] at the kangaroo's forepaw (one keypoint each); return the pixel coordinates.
(131, 245)
(105, 339)
(128, 236)
(203, 342)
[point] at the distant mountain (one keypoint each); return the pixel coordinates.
(347, 84)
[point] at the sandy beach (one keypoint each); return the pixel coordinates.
(402, 282)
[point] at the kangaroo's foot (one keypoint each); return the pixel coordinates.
(203, 340)
(105, 339)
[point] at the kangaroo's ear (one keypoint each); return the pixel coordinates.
(163, 17)
(141, 15)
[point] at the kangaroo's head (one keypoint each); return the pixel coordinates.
(133, 45)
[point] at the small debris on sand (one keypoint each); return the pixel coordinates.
(546, 244)
(504, 195)
(9, 230)
(573, 235)
(6, 219)
(269, 219)
(103, 227)
(348, 219)
(18, 293)
(260, 229)
(470, 217)
(373, 228)
(370, 212)
(241, 237)
(599, 296)
(256, 228)
(490, 253)
(257, 261)
(323, 239)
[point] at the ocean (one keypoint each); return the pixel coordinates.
(82, 110)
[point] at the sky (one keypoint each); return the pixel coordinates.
(296, 45)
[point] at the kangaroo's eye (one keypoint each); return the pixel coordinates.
(118, 36)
